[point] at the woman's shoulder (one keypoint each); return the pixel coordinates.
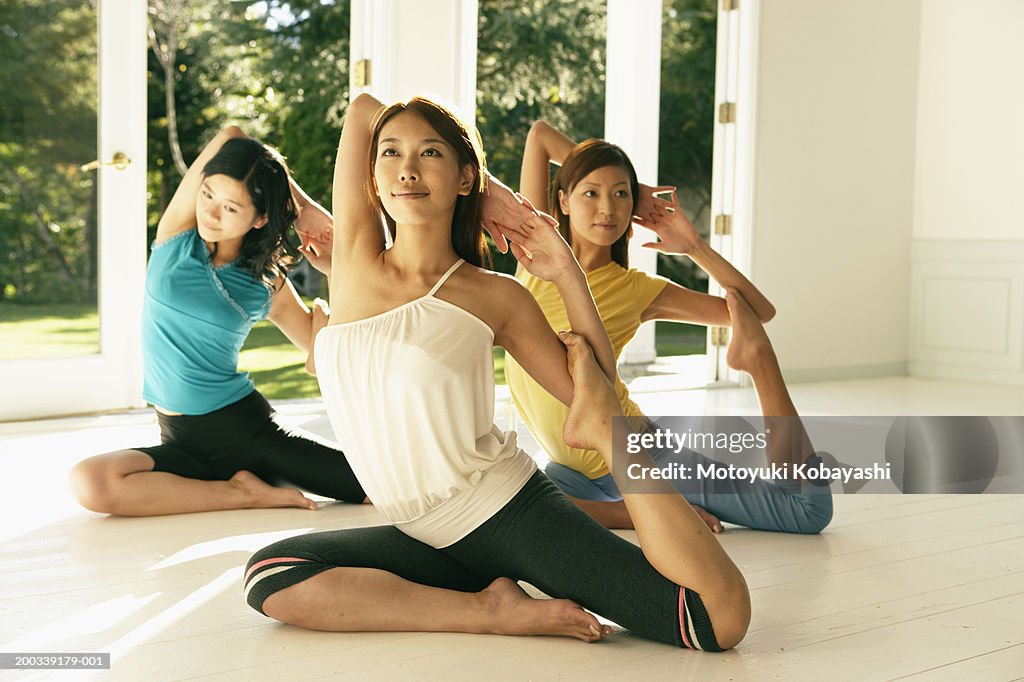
(178, 239)
(494, 290)
(489, 281)
(642, 278)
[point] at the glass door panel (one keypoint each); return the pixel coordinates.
(49, 221)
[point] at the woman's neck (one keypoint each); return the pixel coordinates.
(422, 249)
(225, 252)
(591, 256)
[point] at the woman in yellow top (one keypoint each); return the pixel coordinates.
(596, 196)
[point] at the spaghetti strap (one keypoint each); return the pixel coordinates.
(444, 277)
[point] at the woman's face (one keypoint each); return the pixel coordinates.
(224, 209)
(600, 206)
(416, 173)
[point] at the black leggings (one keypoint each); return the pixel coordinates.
(244, 435)
(539, 537)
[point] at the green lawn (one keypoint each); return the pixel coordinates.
(32, 331)
(673, 338)
(277, 367)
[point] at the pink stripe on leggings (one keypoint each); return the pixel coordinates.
(269, 562)
(683, 618)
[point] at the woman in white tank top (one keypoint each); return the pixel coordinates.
(405, 368)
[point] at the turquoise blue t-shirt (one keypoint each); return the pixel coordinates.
(194, 321)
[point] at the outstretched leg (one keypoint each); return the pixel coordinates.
(672, 536)
(124, 483)
(751, 351)
(381, 580)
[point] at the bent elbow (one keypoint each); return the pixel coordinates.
(232, 131)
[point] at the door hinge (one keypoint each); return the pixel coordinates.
(361, 73)
(719, 336)
(730, 5)
(727, 112)
(723, 224)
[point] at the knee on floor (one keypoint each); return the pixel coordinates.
(816, 519)
(730, 623)
(275, 584)
(92, 487)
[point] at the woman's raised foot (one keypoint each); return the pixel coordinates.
(750, 346)
(594, 402)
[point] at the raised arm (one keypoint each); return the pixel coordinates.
(180, 214)
(539, 248)
(544, 146)
(678, 236)
(315, 227)
(291, 316)
(358, 231)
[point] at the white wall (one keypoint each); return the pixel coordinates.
(834, 182)
(968, 249)
(970, 163)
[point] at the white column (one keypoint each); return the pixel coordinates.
(417, 47)
(632, 97)
(122, 196)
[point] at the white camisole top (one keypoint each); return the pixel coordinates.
(410, 396)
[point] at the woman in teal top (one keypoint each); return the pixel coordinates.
(217, 267)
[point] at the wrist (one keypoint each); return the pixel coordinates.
(700, 249)
(570, 278)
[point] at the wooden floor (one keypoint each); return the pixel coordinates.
(921, 587)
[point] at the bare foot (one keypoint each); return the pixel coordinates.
(517, 613)
(750, 346)
(261, 495)
(594, 402)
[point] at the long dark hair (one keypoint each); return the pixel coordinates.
(266, 252)
(467, 231)
(584, 159)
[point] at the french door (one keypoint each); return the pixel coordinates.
(89, 360)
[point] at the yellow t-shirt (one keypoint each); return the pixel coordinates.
(621, 296)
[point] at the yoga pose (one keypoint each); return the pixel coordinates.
(595, 196)
(406, 371)
(218, 267)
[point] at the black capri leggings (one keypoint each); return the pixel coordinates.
(244, 435)
(539, 537)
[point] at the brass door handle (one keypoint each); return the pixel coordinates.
(120, 162)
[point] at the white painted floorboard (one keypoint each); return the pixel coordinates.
(913, 587)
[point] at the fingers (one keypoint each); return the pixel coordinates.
(321, 307)
(657, 246)
(652, 225)
(519, 252)
(710, 519)
(544, 216)
(517, 233)
(550, 220)
(572, 340)
(528, 230)
(662, 206)
(492, 228)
